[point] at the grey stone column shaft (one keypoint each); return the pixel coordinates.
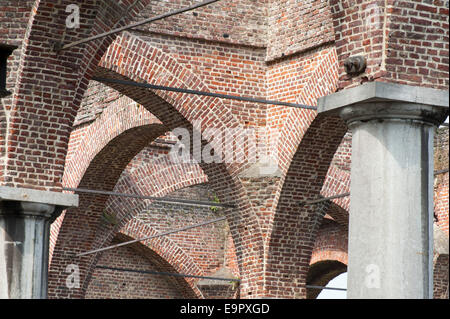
(390, 229)
(24, 237)
(24, 240)
(391, 204)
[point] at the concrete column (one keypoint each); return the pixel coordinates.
(391, 201)
(25, 218)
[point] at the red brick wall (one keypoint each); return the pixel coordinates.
(404, 42)
(295, 26)
(222, 68)
(14, 19)
(329, 257)
(441, 201)
(357, 26)
(331, 243)
(148, 171)
(244, 21)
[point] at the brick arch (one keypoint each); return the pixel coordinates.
(320, 274)
(156, 178)
(79, 226)
(331, 243)
(50, 86)
(130, 57)
(161, 176)
(295, 227)
(321, 80)
(86, 143)
(304, 132)
(329, 258)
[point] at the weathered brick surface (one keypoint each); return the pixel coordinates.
(299, 224)
(301, 24)
(418, 43)
(440, 278)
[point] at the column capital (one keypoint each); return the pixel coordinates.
(382, 101)
(31, 202)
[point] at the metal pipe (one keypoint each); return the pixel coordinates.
(320, 200)
(149, 20)
(150, 272)
(195, 92)
(151, 237)
(329, 288)
(180, 201)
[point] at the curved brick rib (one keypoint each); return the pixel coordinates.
(295, 227)
(79, 225)
(318, 77)
(131, 58)
(331, 243)
(88, 141)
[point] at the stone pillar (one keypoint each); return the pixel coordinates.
(25, 218)
(391, 201)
